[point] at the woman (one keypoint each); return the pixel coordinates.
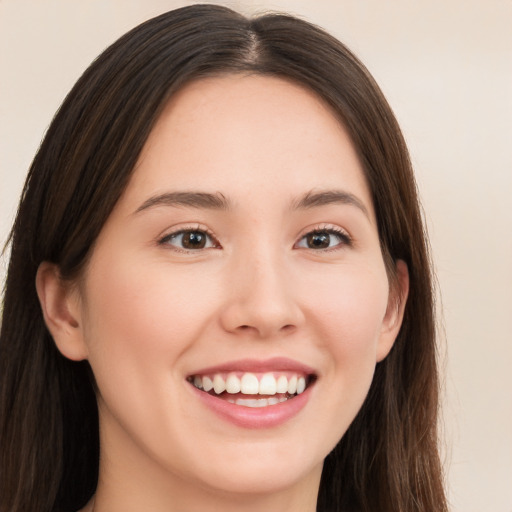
(232, 305)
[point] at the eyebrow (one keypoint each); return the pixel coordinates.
(206, 200)
(218, 201)
(323, 198)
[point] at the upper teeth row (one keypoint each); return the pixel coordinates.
(249, 384)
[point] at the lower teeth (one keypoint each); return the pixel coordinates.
(257, 402)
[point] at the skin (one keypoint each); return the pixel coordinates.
(147, 312)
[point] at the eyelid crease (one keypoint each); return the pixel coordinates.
(325, 227)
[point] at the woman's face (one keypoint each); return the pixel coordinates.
(244, 252)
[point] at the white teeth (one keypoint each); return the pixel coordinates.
(207, 383)
(252, 402)
(268, 385)
(292, 385)
(301, 385)
(249, 384)
(258, 402)
(219, 385)
(282, 385)
(233, 384)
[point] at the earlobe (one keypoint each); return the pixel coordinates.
(60, 306)
(395, 310)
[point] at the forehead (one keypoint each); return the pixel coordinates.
(247, 130)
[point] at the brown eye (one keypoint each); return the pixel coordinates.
(194, 240)
(190, 239)
(324, 239)
(318, 240)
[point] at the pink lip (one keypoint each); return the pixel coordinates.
(260, 417)
(257, 366)
(254, 418)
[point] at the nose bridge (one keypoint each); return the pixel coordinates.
(262, 297)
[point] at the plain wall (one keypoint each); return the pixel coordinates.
(446, 68)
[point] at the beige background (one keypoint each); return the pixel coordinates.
(446, 68)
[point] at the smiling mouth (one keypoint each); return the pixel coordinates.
(253, 390)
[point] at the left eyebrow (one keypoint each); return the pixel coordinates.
(206, 200)
(327, 197)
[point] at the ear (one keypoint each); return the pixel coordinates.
(60, 303)
(399, 290)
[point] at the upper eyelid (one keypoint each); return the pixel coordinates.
(181, 228)
(324, 227)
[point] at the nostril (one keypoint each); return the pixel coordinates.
(284, 329)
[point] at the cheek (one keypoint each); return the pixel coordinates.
(349, 311)
(139, 321)
(142, 308)
(349, 305)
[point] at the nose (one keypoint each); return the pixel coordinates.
(262, 298)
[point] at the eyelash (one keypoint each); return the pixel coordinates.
(344, 239)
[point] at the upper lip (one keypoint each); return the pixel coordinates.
(257, 366)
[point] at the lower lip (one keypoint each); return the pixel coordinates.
(255, 417)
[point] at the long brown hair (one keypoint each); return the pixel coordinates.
(49, 446)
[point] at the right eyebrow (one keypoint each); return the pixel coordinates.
(206, 200)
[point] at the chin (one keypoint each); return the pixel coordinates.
(260, 479)
(259, 468)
